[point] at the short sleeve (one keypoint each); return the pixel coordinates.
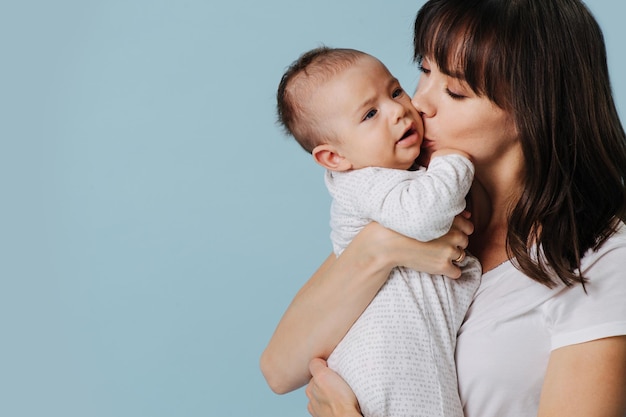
(578, 316)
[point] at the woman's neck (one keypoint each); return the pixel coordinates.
(491, 200)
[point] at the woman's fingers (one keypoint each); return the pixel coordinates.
(451, 246)
(329, 395)
(434, 257)
(460, 259)
(463, 223)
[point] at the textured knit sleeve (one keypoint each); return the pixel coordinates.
(419, 204)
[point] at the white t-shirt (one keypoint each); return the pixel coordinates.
(514, 323)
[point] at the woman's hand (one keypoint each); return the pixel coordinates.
(329, 395)
(435, 257)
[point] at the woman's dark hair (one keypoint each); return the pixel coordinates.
(543, 61)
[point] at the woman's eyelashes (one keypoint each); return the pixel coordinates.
(456, 95)
(453, 95)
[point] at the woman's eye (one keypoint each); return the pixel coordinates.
(454, 95)
(397, 93)
(370, 114)
(423, 70)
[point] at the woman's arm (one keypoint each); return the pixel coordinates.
(586, 380)
(336, 295)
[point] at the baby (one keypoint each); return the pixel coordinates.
(345, 108)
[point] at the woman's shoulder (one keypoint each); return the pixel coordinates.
(596, 310)
(614, 247)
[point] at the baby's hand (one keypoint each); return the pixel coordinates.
(448, 151)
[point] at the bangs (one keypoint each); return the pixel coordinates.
(460, 37)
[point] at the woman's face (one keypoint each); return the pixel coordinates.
(455, 117)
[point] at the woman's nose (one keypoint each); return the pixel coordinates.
(422, 102)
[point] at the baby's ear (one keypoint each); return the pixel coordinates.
(328, 157)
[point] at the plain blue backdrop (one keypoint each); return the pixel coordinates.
(154, 221)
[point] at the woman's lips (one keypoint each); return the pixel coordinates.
(427, 143)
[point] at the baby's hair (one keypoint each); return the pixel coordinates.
(299, 81)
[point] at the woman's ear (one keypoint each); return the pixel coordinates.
(328, 157)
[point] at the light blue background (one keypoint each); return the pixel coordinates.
(154, 221)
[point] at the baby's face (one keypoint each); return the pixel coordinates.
(371, 116)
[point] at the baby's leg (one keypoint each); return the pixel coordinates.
(397, 357)
(444, 302)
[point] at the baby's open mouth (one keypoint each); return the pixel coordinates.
(408, 133)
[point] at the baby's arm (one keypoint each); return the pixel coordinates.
(421, 205)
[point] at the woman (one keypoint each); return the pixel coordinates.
(523, 87)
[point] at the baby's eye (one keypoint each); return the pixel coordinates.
(397, 92)
(370, 114)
